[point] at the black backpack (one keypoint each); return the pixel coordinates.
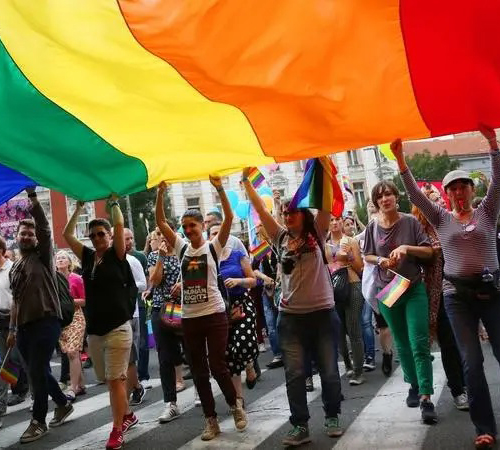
(65, 300)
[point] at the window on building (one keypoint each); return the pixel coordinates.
(83, 219)
(359, 193)
(193, 203)
(352, 157)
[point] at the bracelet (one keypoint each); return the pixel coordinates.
(219, 189)
(32, 195)
(12, 329)
(379, 260)
(243, 179)
(115, 203)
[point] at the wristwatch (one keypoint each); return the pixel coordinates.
(379, 260)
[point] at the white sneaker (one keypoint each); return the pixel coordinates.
(262, 348)
(32, 402)
(197, 401)
(461, 402)
(146, 384)
(170, 413)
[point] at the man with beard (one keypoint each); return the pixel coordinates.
(35, 315)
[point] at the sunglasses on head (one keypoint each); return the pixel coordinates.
(100, 234)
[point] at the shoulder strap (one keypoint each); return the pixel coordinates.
(214, 256)
(183, 250)
(278, 247)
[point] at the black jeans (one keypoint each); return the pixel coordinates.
(450, 356)
(143, 365)
(36, 342)
(168, 346)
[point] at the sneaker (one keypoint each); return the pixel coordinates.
(62, 385)
(70, 395)
(309, 384)
(461, 402)
(387, 364)
(275, 363)
(332, 427)
(197, 401)
(138, 395)
(429, 415)
(15, 399)
(146, 384)
(413, 399)
(61, 413)
(262, 348)
(170, 413)
(35, 431)
(211, 429)
(298, 435)
(129, 420)
(349, 373)
(239, 415)
(356, 380)
(369, 364)
(115, 440)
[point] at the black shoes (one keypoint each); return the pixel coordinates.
(429, 416)
(413, 399)
(387, 364)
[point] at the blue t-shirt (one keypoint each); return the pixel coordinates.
(231, 268)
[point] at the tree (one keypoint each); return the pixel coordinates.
(142, 205)
(425, 167)
(362, 213)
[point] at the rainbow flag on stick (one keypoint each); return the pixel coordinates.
(347, 185)
(9, 372)
(395, 289)
(320, 188)
(255, 177)
(261, 250)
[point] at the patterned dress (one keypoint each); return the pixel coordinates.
(71, 339)
(242, 346)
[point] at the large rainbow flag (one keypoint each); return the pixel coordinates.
(102, 96)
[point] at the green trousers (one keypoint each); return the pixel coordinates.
(408, 321)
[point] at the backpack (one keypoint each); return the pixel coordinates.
(65, 300)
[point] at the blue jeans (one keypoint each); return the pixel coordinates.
(143, 365)
(271, 315)
(318, 332)
(368, 332)
(36, 342)
(464, 312)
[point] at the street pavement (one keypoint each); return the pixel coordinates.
(374, 414)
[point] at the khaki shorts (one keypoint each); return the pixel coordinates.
(110, 353)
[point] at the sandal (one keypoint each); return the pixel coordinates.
(251, 381)
(81, 391)
(485, 441)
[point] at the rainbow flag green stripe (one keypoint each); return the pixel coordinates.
(83, 165)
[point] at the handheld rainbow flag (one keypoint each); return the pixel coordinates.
(347, 185)
(394, 290)
(255, 177)
(261, 250)
(320, 188)
(9, 372)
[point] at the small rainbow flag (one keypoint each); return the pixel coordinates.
(394, 290)
(9, 372)
(347, 185)
(256, 178)
(261, 250)
(319, 188)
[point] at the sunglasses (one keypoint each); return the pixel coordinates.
(100, 234)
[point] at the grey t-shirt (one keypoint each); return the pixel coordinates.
(382, 241)
(305, 280)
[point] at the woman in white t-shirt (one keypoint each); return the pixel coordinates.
(204, 319)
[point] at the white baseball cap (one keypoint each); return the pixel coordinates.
(456, 175)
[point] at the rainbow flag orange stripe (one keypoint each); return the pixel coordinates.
(261, 250)
(9, 372)
(394, 290)
(255, 177)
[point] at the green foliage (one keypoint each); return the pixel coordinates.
(425, 167)
(362, 213)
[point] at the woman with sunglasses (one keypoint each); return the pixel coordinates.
(471, 273)
(204, 319)
(105, 270)
(307, 319)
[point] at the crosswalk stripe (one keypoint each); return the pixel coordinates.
(265, 416)
(388, 416)
(10, 435)
(148, 420)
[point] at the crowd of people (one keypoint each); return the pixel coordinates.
(208, 301)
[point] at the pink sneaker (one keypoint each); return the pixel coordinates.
(115, 440)
(129, 420)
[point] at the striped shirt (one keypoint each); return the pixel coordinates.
(467, 248)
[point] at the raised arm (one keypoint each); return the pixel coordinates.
(69, 232)
(42, 227)
(118, 227)
(323, 222)
(431, 211)
(161, 221)
(491, 202)
(270, 224)
(225, 227)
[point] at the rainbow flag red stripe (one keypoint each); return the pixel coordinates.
(261, 250)
(394, 290)
(320, 188)
(255, 177)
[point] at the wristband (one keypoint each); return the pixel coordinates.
(243, 179)
(12, 329)
(115, 203)
(32, 195)
(219, 189)
(379, 260)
